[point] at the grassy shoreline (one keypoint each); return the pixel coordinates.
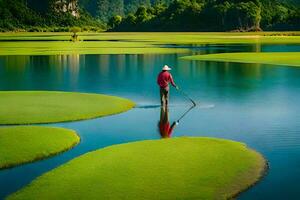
(270, 58)
(130, 42)
(85, 47)
(163, 37)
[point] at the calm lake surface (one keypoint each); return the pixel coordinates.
(250, 103)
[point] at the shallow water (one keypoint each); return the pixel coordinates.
(254, 104)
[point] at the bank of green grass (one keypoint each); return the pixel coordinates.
(178, 168)
(130, 43)
(23, 144)
(272, 58)
(202, 38)
(82, 47)
(165, 37)
(31, 107)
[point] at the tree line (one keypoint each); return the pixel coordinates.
(149, 15)
(211, 15)
(50, 15)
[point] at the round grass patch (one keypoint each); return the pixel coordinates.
(178, 168)
(31, 107)
(19, 145)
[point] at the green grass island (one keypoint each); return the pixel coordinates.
(271, 58)
(35, 107)
(178, 168)
(24, 144)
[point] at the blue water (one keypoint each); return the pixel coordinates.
(250, 103)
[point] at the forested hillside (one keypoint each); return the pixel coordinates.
(150, 15)
(212, 15)
(49, 15)
(105, 9)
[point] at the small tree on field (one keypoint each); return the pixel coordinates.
(75, 30)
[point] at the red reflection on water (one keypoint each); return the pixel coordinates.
(164, 126)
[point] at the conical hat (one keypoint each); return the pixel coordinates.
(166, 68)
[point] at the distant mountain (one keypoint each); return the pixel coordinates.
(101, 9)
(105, 9)
(58, 5)
(150, 15)
(50, 15)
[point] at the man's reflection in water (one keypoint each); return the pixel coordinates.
(164, 126)
(165, 129)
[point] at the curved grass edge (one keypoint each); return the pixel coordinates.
(263, 161)
(130, 106)
(51, 154)
(277, 58)
(262, 171)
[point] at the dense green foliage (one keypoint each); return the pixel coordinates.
(214, 15)
(178, 168)
(31, 15)
(31, 107)
(150, 15)
(23, 144)
(105, 9)
(15, 14)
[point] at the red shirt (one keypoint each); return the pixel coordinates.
(164, 78)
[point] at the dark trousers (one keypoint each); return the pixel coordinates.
(164, 96)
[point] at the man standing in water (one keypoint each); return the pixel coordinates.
(163, 80)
